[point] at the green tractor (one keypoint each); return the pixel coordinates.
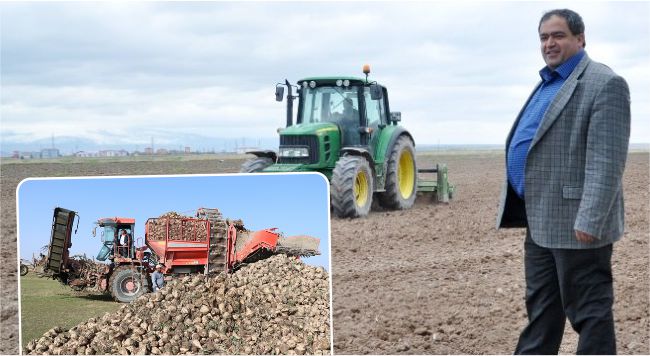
(345, 130)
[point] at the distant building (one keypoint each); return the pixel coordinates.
(187, 150)
(148, 150)
(86, 154)
(162, 151)
(47, 153)
(29, 155)
(113, 153)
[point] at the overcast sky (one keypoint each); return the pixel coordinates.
(458, 71)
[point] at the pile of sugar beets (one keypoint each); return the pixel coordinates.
(274, 306)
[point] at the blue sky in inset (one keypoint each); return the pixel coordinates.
(297, 204)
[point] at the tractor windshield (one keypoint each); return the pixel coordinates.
(109, 233)
(339, 105)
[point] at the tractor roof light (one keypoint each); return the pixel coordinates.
(366, 71)
(312, 84)
(339, 82)
(346, 83)
(305, 84)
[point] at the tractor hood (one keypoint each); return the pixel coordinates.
(317, 128)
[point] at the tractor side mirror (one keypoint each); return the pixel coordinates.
(395, 116)
(279, 92)
(94, 231)
(375, 92)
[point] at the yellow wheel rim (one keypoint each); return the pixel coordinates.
(361, 189)
(406, 174)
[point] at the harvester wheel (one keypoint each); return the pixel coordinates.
(23, 269)
(401, 176)
(255, 164)
(127, 284)
(352, 187)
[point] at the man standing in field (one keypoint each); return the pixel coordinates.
(565, 156)
(157, 278)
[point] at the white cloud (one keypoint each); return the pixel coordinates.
(107, 69)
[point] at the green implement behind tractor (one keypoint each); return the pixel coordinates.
(345, 130)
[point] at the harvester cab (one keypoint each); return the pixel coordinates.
(116, 234)
(345, 130)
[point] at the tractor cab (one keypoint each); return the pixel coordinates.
(345, 102)
(110, 230)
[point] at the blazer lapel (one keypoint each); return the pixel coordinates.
(561, 99)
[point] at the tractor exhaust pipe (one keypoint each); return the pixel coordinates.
(279, 91)
(289, 104)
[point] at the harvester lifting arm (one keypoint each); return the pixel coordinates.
(299, 246)
(251, 246)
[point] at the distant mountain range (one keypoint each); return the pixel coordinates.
(68, 145)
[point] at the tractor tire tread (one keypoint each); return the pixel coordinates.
(342, 187)
(116, 275)
(255, 164)
(391, 197)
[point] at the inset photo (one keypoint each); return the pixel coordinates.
(165, 265)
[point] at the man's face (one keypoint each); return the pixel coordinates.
(557, 42)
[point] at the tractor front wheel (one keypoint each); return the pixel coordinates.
(351, 187)
(126, 284)
(401, 176)
(23, 269)
(255, 164)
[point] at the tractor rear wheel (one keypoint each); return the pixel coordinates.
(401, 176)
(126, 284)
(255, 164)
(351, 187)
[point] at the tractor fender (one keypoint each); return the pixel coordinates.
(265, 153)
(358, 151)
(387, 140)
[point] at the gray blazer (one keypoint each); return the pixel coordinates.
(575, 163)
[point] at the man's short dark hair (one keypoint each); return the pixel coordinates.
(576, 26)
(572, 18)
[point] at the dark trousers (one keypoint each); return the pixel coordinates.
(573, 284)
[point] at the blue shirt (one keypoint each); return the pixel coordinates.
(552, 81)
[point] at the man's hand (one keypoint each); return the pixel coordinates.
(584, 237)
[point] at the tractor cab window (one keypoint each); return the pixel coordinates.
(375, 110)
(110, 233)
(339, 105)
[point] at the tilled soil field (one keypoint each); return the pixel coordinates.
(436, 279)
(440, 279)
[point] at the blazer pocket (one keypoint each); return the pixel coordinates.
(571, 192)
